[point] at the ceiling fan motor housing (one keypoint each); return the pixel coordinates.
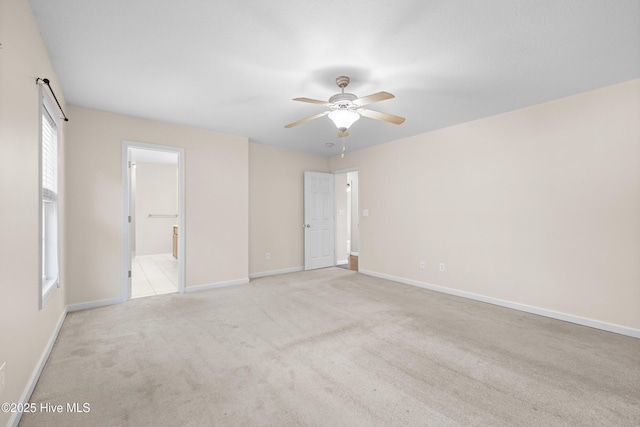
(342, 100)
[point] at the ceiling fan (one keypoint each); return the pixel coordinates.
(345, 108)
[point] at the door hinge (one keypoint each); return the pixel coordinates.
(129, 274)
(129, 165)
(129, 218)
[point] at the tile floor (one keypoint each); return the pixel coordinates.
(154, 275)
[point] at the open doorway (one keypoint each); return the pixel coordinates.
(347, 220)
(154, 227)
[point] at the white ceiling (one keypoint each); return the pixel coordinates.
(234, 66)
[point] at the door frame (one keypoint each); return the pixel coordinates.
(335, 238)
(127, 214)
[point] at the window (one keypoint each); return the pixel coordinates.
(49, 197)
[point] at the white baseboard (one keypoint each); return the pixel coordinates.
(216, 285)
(355, 254)
(342, 262)
(275, 272)
(93, 304)
(584, 321)
(35, 376)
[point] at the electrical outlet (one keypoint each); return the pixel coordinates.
(442, 266)
(2, 378)
(267, 256)
(423, 264)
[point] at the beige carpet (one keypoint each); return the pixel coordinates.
(334, 348)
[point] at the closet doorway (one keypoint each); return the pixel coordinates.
(154, 206)
(347, 220)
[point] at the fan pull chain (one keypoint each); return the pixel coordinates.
(344, 146)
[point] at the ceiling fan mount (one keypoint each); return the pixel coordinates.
(342, 82)
(342, 100)
(346, 108)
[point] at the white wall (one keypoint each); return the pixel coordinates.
(539, 206)
(25, 330)
(156, 193)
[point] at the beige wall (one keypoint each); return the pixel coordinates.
(216, 199)
(156, 193)
(539, 206)
(25, 330)
(276, 206)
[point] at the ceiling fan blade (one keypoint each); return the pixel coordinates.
(396, 120)
(312, 101)
(370, 99)
(306, 119)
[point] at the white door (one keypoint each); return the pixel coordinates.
(319, 229)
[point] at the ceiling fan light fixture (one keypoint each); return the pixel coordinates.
(345, 108)
(343, 119)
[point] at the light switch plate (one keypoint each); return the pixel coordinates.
(365, 212)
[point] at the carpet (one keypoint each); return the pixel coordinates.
(332, 347)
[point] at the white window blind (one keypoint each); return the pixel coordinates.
(49, 157)
(49, 205)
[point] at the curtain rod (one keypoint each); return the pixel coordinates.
(46, 81)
